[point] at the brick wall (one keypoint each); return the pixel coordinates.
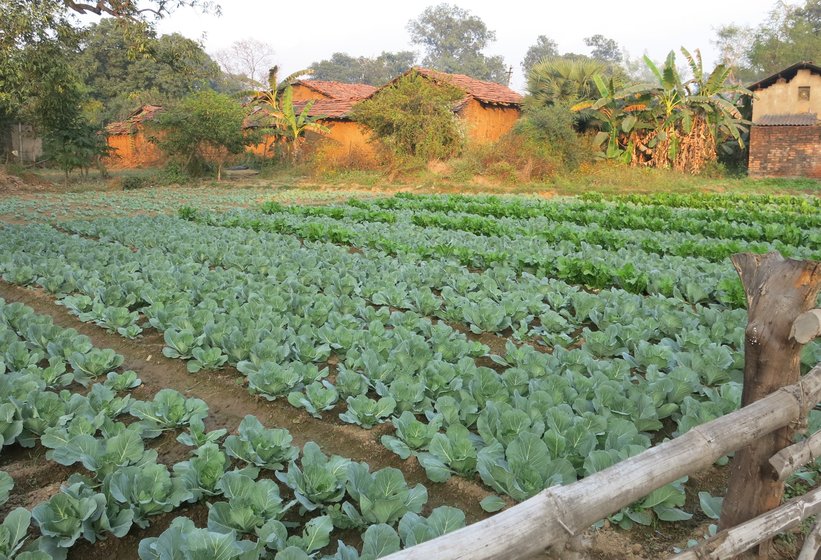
(785, 151)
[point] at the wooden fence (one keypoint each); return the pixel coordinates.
(780, 295)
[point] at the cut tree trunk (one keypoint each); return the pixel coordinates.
(778, 291)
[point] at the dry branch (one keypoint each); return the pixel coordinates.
(732, 542)
(807, 326)
(549, 518)
(792, 458)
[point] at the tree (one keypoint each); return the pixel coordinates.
(342, 67)
(604, 49)
(672, 123)
(285, 123)
(790, 34)
(205, 126)
(453, 41)
(414, 118)
(544, 48)
(135, 9)
(121, 78)
(564, 81)
(247, 61)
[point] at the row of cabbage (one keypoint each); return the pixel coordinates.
(680, 244)
(747, 222)
(583, 408)
(695, 280)
(62, 407)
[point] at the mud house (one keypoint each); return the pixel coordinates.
(332, 101)
(129, 142)
(785, 137)
(488, 109)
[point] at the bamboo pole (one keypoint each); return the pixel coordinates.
(790, 459)
(552, 516)
(742, 538)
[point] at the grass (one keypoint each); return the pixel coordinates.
(605, 178)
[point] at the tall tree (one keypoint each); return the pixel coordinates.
(453, 41)
(545, 47)
(247, 61)
(790, 34)
(124, 66)
(604, 49)
(342, 67)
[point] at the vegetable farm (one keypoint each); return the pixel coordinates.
(250, 377)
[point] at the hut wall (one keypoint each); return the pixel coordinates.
(487, 123)
(782, 97)
(133, 151)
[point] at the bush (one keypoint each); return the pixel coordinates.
(203, 129)
(131, 182)
(414, 118)
(551, 131)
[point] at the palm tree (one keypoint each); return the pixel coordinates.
(564, 81)
(280, 115)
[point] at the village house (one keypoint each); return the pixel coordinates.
(785, 137)
(129, 142)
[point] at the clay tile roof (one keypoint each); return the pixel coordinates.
(339, 90)
(482, 91)
(328, 108)
(129, 126)
(800, 119)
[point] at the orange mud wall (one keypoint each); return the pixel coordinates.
(345, 139)
(487, 123)
(132, 151)
(347, 143)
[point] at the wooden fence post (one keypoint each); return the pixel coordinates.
(778, 291)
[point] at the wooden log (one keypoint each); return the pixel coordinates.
(778, 291)
(790, 459)
(732, 542)
(807, 326)
(812, 544)
(552, 516)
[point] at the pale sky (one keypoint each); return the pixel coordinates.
(303, 33)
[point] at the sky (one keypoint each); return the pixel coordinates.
(303, 34)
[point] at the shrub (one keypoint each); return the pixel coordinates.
(551, 131)
(204, 127)
(414, 118)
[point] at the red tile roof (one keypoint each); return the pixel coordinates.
(338, 90)
(129, 126)
(799, 119)
(482, 91)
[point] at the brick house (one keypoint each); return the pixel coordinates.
(785, 137)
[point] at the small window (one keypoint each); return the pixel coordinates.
(804, 93)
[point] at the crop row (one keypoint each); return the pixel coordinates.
(123, 484)
(671, 243)
(730, 223)
(691, 279)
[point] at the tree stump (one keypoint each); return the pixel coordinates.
(778, 291)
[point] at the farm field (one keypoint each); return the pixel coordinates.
(288, 375)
